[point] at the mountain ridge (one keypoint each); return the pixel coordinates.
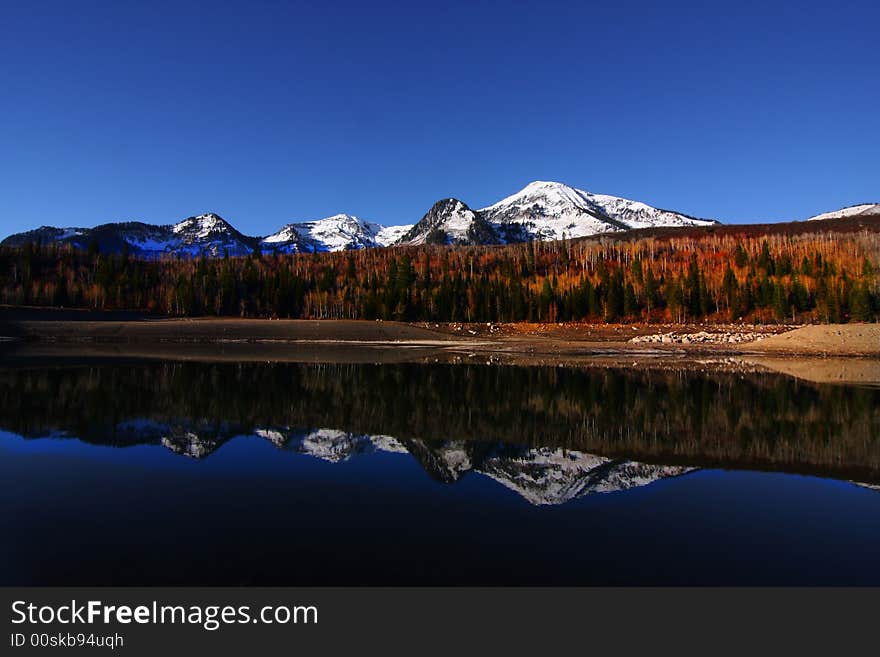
(541, 476)
(541, 211)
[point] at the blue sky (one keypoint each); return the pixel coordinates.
(271, 112)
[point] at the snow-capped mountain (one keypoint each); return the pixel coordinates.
(211, 235)
(340, 232)
(207, 234)
(540, 211)
(551, 211)
(450, 222)
(852, 211)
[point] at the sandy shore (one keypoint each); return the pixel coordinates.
(825, 340)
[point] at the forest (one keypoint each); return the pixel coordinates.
(713, 276)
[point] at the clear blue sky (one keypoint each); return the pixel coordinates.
(271, 112)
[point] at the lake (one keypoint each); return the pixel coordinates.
(148, 472)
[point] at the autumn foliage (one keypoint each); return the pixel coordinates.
(827, 275)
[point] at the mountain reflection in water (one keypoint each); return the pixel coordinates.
(541, 476)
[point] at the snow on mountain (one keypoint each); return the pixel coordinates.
(388, 235)
(635, 214)
(207, 234)
(341, 232)
(540, 211)
(49, 235)
(141, 239)
(450, 222)
(337, 233)
(286, 240)
(551, 211)
(852, 211)
(210, 234)
(198, 228)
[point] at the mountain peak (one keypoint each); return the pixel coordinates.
(449, 205)
(203, 224)
(544, 191)
(341, 217)
(449, 221)
(545, 184)
(550, 210)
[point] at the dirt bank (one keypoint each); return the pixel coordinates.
(823, 340)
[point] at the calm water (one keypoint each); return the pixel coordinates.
(195, 473)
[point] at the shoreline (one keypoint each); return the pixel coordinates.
(838, 340)
(839, 354)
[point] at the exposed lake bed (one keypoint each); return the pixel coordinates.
(522, 338)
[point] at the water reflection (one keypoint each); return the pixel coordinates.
(453, 418)
(443, 474)
(541, 476)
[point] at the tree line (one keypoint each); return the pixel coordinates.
(816, 277)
